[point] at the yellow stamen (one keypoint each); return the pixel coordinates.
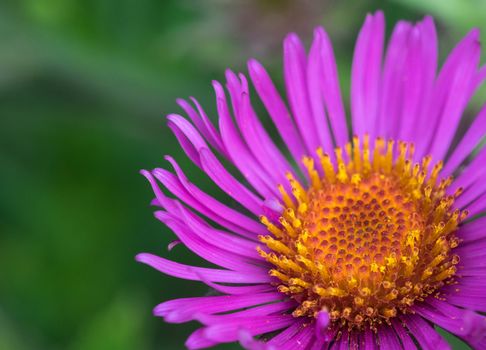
(366, 240)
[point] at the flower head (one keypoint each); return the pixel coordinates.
(369, 240)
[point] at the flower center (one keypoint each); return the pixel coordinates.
(372, 235)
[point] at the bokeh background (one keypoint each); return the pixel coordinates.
(84, 88)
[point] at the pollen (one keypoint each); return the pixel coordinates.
(373, 234)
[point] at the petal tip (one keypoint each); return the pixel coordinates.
(142, 257)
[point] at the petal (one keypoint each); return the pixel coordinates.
(343, 342)
(467, 293)
(405, 339)
(466, 324)
(322, 323)
(187, 136)
(426, 335)
(285, 336)
(330, 89)
(212, 132)
(469, 142)
(354, 340)
(187, 309)
(276, 108)
(300, 340)
(472, 254)
(229, 331)
(394, 78)
(450, 97)
(239, 153)
(368, 341)
(473, 230)
(193, 143)
(472, 173)
(468, 199)
(228, 183)
(248, 342)
(258, 311)
(257, 139)
(295, 68)
(173, 244)
(203, 124)
(388, 338)
(366, 75)
(174, 185)
(207, 251)
(419, 79)
(239, 290)
(316, 101)
(478, 205)
(197, 340)
(218, 238)
(217, 211)
(193, 273)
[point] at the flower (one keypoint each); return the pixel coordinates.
(359, 242)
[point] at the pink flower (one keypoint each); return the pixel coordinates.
(340, 242)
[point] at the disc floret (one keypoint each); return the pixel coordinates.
(372, 235)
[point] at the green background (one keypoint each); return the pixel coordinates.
(84, 88)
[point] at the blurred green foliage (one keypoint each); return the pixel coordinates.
(84, 87)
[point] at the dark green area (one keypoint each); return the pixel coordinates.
(84, 88)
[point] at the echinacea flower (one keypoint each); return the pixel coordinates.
(345, 242)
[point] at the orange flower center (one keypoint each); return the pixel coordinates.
(371, 236)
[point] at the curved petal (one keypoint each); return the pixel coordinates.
(187, 137)
(207, 251)
(239, 153)
(193, 273)
(197, 340)
(469, 142)
(425, 334)
(287, 334)
(256, 138)
(276, 109)
(198, 200)
(229, 331)
(217, 211)
(468, 293)
(203, 124)
(466, 324)
(186, 309)
(472, 173)
(472, 231)
(249, 343)
(217, 172)
(257, 311)
(405, 339)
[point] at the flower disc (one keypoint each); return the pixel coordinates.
(368, 238)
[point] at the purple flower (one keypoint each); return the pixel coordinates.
(340, 242)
